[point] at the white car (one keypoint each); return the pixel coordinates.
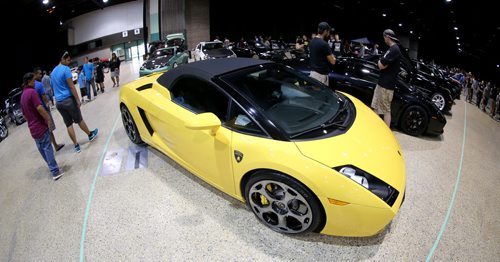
(211, 50)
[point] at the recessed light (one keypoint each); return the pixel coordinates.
(384, 15)
(411, 32)
(458, 37)
(45, 2)
(458, 44)
(104, 1)
(456, 28)
(400, 24)
(447, 1)
(60, 22)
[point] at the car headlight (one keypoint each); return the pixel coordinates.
(378, 187)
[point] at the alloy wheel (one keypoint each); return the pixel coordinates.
(439, 101)
(280, 207)
(129, 125)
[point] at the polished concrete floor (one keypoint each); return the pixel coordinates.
(153, 209)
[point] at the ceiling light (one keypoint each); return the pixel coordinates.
(419, 37)
(456, 28)
(60, 22)
(104, 1)
(458, 44)
(384, 15)
(447, 1)
(411, 32)
(45, 2)
(400, 24)
(458, 37)
(498, 65)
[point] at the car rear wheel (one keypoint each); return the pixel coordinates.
(283, 204)
(4, 132)
(414, 120)
(439, 100)
(130, 127)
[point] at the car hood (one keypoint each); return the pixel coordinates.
(218, 53)
(156, 62)
(368, 145)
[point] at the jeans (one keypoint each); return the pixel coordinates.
(45, 148)
(90, 83)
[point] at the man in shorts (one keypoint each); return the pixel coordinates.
(389, 69)
(68, 102)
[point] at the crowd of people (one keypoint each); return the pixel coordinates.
(41, 91)
(485, 95)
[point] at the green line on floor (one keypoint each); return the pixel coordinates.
(91, 193)
(445, 222)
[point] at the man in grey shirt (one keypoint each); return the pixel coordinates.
(48, 88)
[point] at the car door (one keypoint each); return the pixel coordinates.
(360, 81)
(204, 154)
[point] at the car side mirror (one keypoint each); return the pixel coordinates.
(204, 121)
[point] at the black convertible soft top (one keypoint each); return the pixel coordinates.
(207, 69)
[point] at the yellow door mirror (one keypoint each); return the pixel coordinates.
(205, 121)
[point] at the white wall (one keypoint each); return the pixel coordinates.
(103, 53)
(110, 20)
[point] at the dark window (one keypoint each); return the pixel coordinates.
(240, 121)
(200, 96)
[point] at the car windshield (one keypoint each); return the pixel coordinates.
(289, 99)
(164, 52)
(209, 46)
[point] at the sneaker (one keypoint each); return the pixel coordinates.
(58, 175)
(93, 134)
(77, 148)
(59, 147)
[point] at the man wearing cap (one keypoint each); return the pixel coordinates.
(389, 69)
(320, 54)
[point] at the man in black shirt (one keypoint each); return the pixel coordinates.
(389, 69)
(320, 54)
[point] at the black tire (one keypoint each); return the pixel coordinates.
(130, 127)
(4, 132)
(414, 120)
(266, 194)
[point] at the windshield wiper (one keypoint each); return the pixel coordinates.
(339, 112)
(329, 123)
(323, 126)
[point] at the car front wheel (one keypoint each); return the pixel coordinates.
(414, 120)
(283, 204)
(439, 100)
(4, 132)
(130, 127)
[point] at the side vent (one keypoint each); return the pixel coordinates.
(144, 87)
(145, 120)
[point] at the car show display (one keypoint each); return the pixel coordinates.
(260, 132)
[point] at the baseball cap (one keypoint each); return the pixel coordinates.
(324, 26)
(389, 33)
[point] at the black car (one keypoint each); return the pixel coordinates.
(433, 74)
(411, 110)
(440, 95)
(13, 106)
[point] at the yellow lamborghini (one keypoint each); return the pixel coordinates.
(303, 157)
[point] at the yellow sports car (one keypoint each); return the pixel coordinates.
(303, 157)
